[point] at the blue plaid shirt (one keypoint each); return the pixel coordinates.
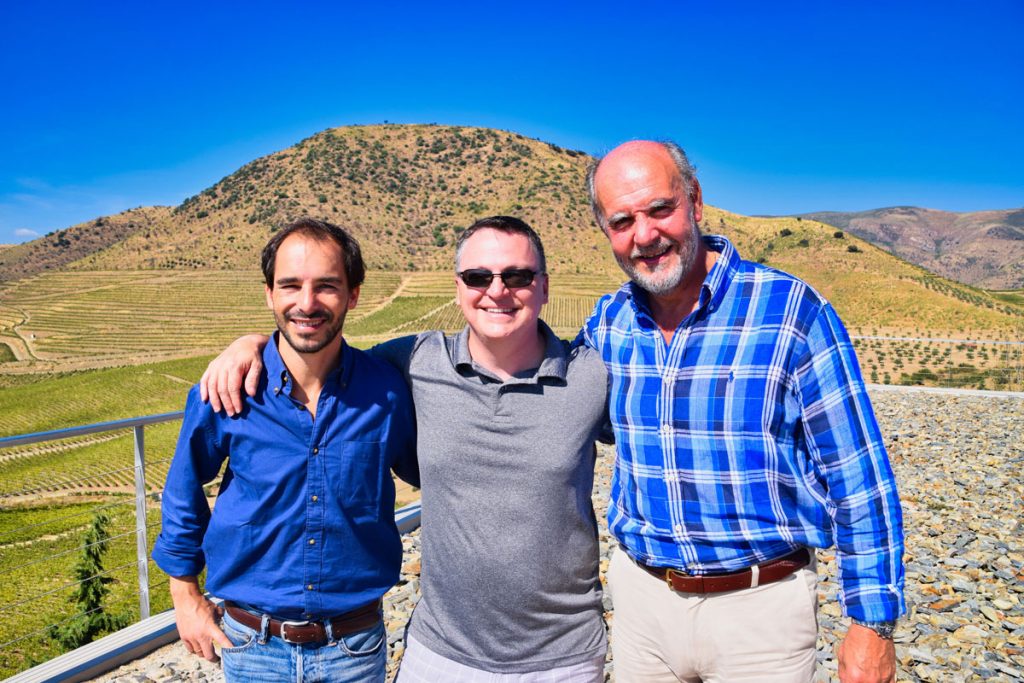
(749, 435)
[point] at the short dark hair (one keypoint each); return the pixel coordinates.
(687, 173)
(352, 255)
(506, 224)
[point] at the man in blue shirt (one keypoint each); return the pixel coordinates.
(745, 437)
(302, 543)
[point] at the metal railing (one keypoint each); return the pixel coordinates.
(98, 656)
(137, 425)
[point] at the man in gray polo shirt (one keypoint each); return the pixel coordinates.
(510, 554)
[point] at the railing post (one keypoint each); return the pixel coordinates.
(141, 545)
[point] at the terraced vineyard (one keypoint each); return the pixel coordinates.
(92, 319)
(930, 362)
(82, 319)
(73, 320)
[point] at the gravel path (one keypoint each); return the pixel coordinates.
(958, 459)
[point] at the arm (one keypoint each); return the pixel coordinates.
(185, 516)
(403, 425)
(846, 446)
(398, 353)
(196, 618)
(221, 384)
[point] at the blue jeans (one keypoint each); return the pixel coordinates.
(355, 658)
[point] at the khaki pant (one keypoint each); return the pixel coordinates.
(765, 634)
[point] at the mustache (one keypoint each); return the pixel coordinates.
(653, 249)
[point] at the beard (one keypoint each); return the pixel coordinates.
(665, 277)
(314, 340)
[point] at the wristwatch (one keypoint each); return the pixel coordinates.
(884, 629)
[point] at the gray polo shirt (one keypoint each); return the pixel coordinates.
(510, 554)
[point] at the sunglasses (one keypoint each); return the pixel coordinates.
(513, 278)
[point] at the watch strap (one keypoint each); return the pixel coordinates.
(884, 629)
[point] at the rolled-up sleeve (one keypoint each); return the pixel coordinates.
(185, 512)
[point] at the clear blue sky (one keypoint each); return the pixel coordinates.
(784, 107)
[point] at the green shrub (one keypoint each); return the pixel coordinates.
(91, 619)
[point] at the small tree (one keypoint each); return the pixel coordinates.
(91, 619)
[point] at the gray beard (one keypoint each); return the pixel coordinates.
(664, 279)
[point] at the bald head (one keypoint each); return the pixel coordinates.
(626, 163)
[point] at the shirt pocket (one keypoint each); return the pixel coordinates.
(360, 478)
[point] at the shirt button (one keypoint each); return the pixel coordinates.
(301, 407)
(315, 450)
(312, 541)
(315, 499)
(309, 586)
(679, 527)
(277, 390)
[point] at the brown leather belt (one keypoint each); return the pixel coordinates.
(758, 575)
(303, 632)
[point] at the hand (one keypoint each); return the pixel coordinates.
(221, 384)
(864, 657)
(197, 618)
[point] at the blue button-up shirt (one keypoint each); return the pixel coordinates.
(748, 435)
(304, 521)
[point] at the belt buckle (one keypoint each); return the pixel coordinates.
(668, 576)
(295, 624)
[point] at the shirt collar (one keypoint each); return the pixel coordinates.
(279, 380)
(554, 365)
(715, 283)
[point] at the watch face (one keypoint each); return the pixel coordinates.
(885, 630)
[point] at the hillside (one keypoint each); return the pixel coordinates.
(404, 191)
(61, 247)
(983, 248)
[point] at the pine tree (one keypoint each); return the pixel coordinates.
(93, 586)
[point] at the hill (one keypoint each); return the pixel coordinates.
(982, 248)
(405, 191)
(62, 247)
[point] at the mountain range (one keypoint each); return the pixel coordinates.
(981, 248)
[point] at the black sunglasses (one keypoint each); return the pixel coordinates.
(513, 278)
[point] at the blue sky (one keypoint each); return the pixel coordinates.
(784, 107)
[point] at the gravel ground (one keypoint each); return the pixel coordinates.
(958, 458)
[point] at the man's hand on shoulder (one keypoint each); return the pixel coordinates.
(866, 657)
(197, 618)
(222, 382)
